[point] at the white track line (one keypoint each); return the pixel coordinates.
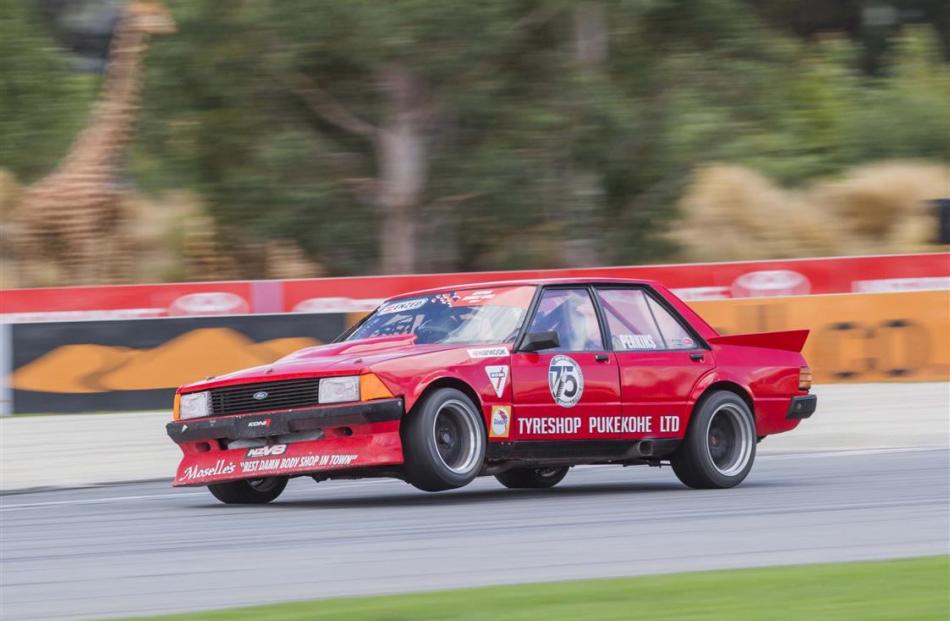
(841, 452)
(4, 507)
(93, 501)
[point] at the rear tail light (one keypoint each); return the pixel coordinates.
(804, 378)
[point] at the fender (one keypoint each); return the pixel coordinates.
(711, 377)
(705, 380)
(410, 376)
(412, 393)
(424, 382)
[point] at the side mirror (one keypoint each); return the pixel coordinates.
(536, 341)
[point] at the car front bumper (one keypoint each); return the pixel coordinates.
(293, 442)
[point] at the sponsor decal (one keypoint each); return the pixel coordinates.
(888, 285)
(446, 298)
(259, 423)
(541, 425)
(220, 467)
(669, 424)
(637, 341)
(566, 381)
(267, 451)
(260, 395)
(487, 352)
(209, 303)
(770, 282)
(84, 315)
(620, 424)
(479, 296)
(702, 293)
(305, 461)
(683, 343)
(337, 305)
(572, 425)
(401, 307)
(498, 376)
(500, 421)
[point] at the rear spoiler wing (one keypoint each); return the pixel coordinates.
(789, 340)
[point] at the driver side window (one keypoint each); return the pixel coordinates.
(571, 314)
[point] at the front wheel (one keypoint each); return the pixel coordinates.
(443, 439)
(249, 492)
(720, 444)
(531, 478)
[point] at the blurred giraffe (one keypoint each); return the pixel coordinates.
(74, 215)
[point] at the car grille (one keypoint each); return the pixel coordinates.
(281, 395)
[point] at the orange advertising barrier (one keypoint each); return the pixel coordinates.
(872, 337)
(91, 368)
(136, 364)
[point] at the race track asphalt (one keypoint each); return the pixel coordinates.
(145, 548)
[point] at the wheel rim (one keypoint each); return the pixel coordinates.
(729, 440)
(263, 485)
(547, 473)
(457, 440)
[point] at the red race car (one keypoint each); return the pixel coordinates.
(519, 380)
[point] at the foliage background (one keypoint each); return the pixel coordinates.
(551, 133)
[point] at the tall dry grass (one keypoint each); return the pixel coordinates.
(732, 212)
(9, 190)
(168, 237)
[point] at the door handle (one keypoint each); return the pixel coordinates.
(696, 356)
(601, 357)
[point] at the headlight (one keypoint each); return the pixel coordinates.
(339, 389)
(194, 405)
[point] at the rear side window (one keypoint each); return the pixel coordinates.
(675, 335)
(629, 320)
(638, 323)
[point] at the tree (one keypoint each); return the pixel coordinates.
(447, 135)
(43, 103)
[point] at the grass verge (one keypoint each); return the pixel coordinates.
(909, 590)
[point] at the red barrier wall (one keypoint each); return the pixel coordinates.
(697, 281)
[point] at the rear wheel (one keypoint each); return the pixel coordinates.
(532, 478)
(443, 440)
(249, 492)
(720, 444)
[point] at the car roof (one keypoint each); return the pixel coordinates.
(582, 280)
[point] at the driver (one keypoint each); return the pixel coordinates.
(580, 331)
(438, 323)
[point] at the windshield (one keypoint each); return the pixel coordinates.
(463, 316)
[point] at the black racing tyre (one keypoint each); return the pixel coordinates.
(249, 492)
(532, 478)
(720, 443)
(443, 441)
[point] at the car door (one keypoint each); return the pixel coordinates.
(558, 392)
(659, 357)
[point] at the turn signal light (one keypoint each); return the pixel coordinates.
(176, 409)
(371, 387)
(804, 378)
